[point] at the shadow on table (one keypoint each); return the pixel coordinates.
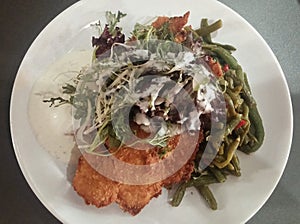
(296, 109)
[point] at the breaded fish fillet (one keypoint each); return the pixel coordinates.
(100, 191)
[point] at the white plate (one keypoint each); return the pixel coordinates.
(239, 198)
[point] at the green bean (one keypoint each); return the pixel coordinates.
(237, 89)
(247, 95)
(236, 99)
(231, 150)
(232, 74)
(230, 104)
(208, 46)
(245, 141)
(230, 82)
(240, 73)
(220, 158)
(222, 82)
(244, 134)
(226, 56)
(203, 31)
(236, 165)
(208, 196)
(226, 46)
(178, 196)
(227, 140)
(202, 180)
(256, 121)
(236, 159)
(230, 167)
(207, 37)
(212, 46)
(232, 124)
(221, 149)
(251, 135)
(245, 109)
(246, 83)
(240, 78)
(218, 174)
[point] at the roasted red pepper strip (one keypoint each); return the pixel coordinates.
(225, 67)
(241, 124)
(176, 23)
(215, 67)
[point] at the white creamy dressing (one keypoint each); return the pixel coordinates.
(53, 125)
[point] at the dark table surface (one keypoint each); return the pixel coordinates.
(22, 20)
